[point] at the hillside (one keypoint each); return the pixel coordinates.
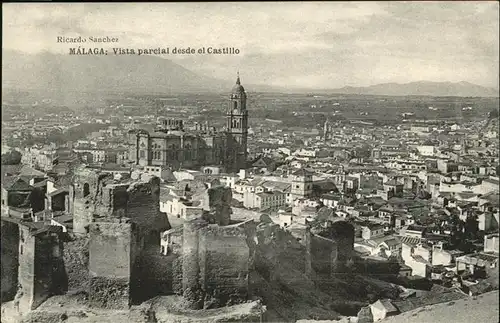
(64, 75)
(289, 295)
(423, 88)
(483, 308)
(127, 73)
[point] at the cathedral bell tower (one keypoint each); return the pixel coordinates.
(237, 128)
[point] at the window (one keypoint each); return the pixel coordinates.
(86, 189)
(172, 152)
(235, 105)
(187, 153)
(141, 154)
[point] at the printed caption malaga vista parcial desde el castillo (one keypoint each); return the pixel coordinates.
(177, 50)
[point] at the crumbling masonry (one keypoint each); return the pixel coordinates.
(119, 224)
(123, 220)
(328, 248)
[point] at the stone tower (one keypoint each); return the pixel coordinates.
(326, 130)
(82, 193)
(302, 180)
(237, 128)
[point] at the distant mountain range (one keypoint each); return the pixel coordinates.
(125, 73)
(65, 74)
(422, 88)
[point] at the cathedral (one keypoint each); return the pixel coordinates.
(170, 145)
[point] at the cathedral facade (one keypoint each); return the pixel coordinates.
(172, 146)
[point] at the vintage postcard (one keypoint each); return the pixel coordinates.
(250, 162)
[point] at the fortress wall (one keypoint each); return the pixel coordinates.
(76, 262)
(85, 194)
(112, 201)
(82, 216)
(177, 274)
(343, 234)
(224, 265)
(45, 260)
(26, 270)
(321, 252)
(191, 263)
(329, 256)
(143, 208)
(217, 200)
(38, 255)
(9, 260)
(113, 249)
(155, 275)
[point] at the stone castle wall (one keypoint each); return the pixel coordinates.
(84, 193)
(322, 252)
(328, 256)
(96, 195)
(224, 265)
(216, 261)
(191, 288)
(10, 260)
(40, 266)
(217, 202)
(113, 251)
(76, 262)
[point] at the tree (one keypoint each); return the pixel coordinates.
(457, 228)
(493, 114)
(12, 157)
(471, 226)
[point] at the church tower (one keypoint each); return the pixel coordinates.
(237, 128)
(326, 130)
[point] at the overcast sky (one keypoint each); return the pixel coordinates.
(320, 45)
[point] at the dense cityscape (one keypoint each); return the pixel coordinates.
(305, 163)
(420, 197)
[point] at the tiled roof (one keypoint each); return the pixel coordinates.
(28, 171)
(421, 260)
(16, 184)
(279, 186)
(41, 183)
(415, 227)
(410, 241)
(392, 182)
(59, 191)
(302, 172)
(392, 242)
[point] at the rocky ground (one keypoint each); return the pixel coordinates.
(74, 309)
(481, 308)
(290, 295)
(278, 281)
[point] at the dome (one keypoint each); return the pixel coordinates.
(238, 88)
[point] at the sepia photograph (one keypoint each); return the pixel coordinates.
(209, 162)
